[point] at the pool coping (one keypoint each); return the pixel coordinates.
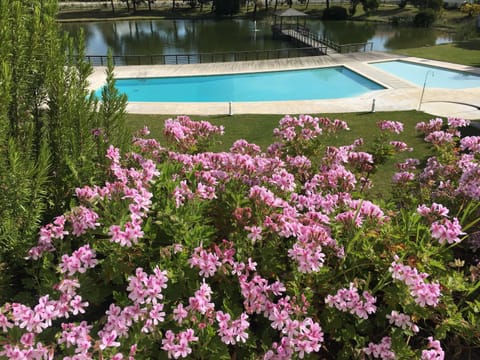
(398, 94)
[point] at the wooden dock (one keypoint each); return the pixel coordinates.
(302, 35)
(307, 39)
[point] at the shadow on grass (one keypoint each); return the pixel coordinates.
(107, 14)
(473, 44)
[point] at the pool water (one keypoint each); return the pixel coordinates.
(436, 77)
(319, 83)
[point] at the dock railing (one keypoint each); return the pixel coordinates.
(198, 58)
(311, 37)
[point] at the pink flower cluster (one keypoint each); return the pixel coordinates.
(439, 138)
(447, 230)
(303, 337)
(282, 199)
(402, 320)
(147, 289)
(361, 211)
(434, 352)
(187, 134)
(441, 228)
(403, 177)
(178, 345)
(81, 260)
(348, 300)
(408, 164)
(469, 182)
(383, 350)
(80, 218)
(232, 331)
(427, 128)
(34, 321)
(434, 133)
(207, 262)
(306, 127)
(48, 233)
(391, 126)
(131, 184)
(244, 147)
(400, 146)
(433, 212)
(423, 293)
(457, 122)
(470, 143)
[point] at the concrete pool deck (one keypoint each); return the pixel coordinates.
(398, 95)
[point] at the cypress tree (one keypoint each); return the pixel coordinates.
(48, 117)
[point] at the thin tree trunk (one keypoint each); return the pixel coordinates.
(276, 4)
(306, 5)
(266, 5)
(149, 5)
(173, 6)
(113, 6)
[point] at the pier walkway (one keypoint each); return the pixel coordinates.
(307, 39)
(304, 37)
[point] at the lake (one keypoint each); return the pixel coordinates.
(146, 37)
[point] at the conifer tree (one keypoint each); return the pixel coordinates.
(48, 123)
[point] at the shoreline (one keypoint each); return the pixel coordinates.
(185, 13)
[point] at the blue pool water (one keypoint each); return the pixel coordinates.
(437, 77)
(321, 83)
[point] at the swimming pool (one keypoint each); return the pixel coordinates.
(437, 77)
(319, 83)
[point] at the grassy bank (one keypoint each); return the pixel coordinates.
(462, 52)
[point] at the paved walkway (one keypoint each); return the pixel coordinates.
(399, 94)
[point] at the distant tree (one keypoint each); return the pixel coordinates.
(202, 3)
(335, 13)
(370, 5)
(128, 4)
(470, 9)
(226, 7)
(425, 18)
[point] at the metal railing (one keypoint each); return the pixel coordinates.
(198, 58)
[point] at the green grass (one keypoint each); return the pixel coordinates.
(463, 52)
(258, 129)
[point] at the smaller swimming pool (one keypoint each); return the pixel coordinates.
(437, 77)
(307, 84)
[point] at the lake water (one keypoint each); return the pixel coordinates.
(146, 37)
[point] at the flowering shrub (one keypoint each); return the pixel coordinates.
(250, 254)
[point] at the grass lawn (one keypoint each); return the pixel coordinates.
(258, 129)
(462, 52)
